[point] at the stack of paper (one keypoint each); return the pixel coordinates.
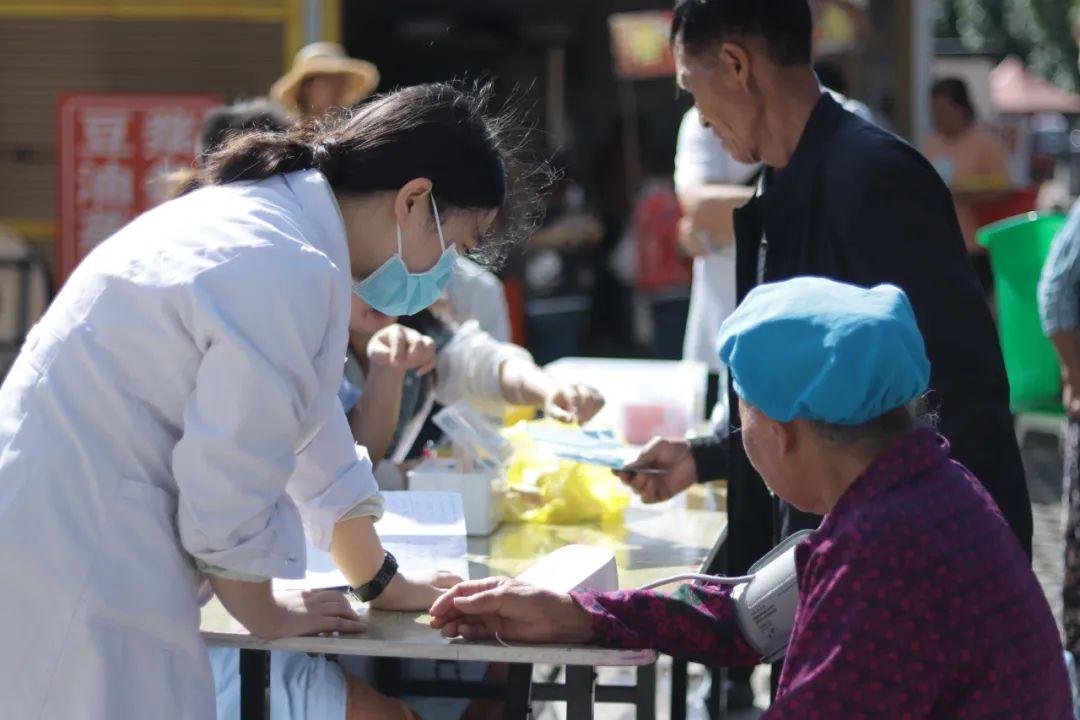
(592, 447)
(424, 531)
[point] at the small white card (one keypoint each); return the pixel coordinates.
(423, 530)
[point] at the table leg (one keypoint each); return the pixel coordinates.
(580, 692)
(254, 666)
(388, 676)
(518, 699)
(716, 702)
(679, 688)
(646, 692)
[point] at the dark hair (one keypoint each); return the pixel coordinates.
(831, 76)
(956, 90)
(441, 131)
(223, 122)
(786, 26)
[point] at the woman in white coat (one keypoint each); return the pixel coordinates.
(174, 417)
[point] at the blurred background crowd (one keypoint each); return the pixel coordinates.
(104, 103)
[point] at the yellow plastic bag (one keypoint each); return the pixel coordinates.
(546, 490)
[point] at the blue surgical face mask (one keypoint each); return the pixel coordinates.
(394, 291)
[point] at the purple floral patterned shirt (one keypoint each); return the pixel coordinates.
(915, 601)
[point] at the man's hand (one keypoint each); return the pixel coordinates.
(401, 348)
(709, 216)
(1067, 345)
(1070, 397)
(669, 455)
(573, 403)
(694, 242)
(515, 611)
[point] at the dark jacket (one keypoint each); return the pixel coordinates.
(859, 205)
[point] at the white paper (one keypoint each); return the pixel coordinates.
(424, 531)
(588, 446)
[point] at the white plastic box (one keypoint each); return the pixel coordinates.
(483, 492)
(645, 398)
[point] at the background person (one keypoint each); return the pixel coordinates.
(843, 199)
(1059, 308)
(970, 159)
(324, 78)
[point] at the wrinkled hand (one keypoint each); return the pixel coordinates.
(693, 241)
(1070, 398)
(573, 403)
(311, 612)
(414, 591)
(672, 455)
(403, 349)
(480, 609)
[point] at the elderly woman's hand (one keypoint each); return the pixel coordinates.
(510, 610)
(573, 402)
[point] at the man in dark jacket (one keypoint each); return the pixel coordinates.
(843, 199)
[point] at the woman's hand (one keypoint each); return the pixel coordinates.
(310, 612)
(414, 591)
(401, 348)
(573, 403)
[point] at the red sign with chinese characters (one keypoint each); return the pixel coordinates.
(116, 154)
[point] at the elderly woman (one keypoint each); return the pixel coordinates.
(915, 599)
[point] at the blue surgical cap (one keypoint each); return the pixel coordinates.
(822, 350)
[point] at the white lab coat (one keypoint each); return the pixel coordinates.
(476, 293)
(177, 401)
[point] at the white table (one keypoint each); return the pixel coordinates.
(652, 543)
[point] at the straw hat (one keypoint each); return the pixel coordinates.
(325, 58)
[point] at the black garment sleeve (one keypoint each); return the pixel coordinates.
(711, 456)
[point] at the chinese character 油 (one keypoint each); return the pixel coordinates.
(106, 185)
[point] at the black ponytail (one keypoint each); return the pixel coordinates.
(475, 158)
(257, 156)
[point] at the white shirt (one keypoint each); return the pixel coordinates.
(178, 401)
(700, 158)
(476, 293)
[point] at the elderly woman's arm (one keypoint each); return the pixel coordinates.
(696, 623)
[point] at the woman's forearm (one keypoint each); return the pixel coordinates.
(375, 417)
(356, 549)
(523, 383)
(252, 603)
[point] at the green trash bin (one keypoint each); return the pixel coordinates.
(1018, 249)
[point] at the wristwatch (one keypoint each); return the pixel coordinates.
(374, 587)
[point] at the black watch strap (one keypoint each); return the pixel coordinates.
(374, 587)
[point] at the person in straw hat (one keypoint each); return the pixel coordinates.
(324, 77)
